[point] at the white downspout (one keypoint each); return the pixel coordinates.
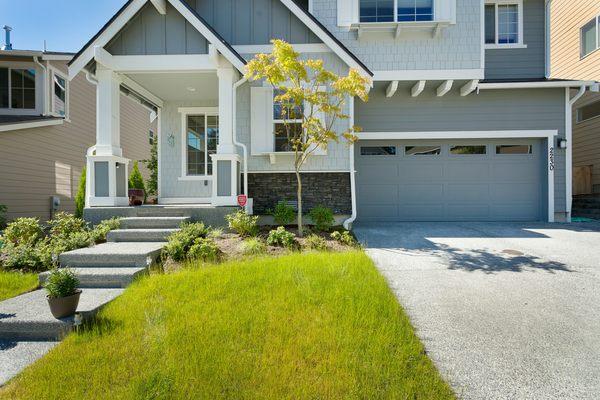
(90, 152)
(44, 86)
(548, 39)
(349, 221)
(569, 137)
(235, 140)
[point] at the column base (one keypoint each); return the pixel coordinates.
(109, 201)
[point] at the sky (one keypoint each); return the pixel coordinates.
(66, 25)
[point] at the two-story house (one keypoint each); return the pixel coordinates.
(462, 123)
(575, 54)
(47, 122)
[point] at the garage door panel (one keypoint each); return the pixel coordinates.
(513, 212)
(468, 192)
(514, 192)
(378, 194)
(379, 212)
(465, 171)
(380, 172)
(469, 212)
(419, 172)
(514, 172)
(421, 212)
(420, 193)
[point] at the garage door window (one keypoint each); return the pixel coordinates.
(505, 149)
(422, 150)
(468, 150)
(378, 151)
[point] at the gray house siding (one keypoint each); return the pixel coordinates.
(522, 63)
(541, 109)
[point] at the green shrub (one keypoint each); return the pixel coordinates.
(152, 166)
(282, 238)
(242, 223)
(316, 242)
(215, 233)
(23, 256)
(204, 249)
(344, 237)
(48, 250)
(61, 282)
(23, 231)
(64, 224)
(98, 234)
(322, 218)
(80, 196)
(136, 180)
(179, 243)
(3, 209)
(253, 247)
(283, 214)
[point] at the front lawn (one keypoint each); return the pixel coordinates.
(301, 326)
(15, 283)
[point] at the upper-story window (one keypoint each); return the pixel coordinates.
(590, 37)
(287, 122)
(17, 88)
(396, 10)
(503, 23)
(59, 93)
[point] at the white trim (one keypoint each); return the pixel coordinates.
(444, 88)
(551, 166)
(547, 37)
(184, 200)
(490, 46)
(348, 223)
(482, 34)
(267, 48)
(40, 82)
(520, 31)
(198, 110)
(195, 178)
(396, 29)
(321, 34)
(57, 57)
(569, 102)
(160, 5)
(28, 125)
(324, 171)
(469, 87)
(418, 88)
(155, 63)
(159, 150)
(535, 85)
(52, 71)
(391, 89)
(140, 90)
(185, 111)
(456, 135)
(429, 74)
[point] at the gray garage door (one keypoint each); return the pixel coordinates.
(478, 180)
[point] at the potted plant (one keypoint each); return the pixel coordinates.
(137, 189)
(63, 295)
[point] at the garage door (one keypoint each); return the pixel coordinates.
(487, 180)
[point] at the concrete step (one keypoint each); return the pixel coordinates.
(15, 356)
(150, 211)
(115, 255)
(153, 222)
(27, 317)
(139, 235)
(103, 277)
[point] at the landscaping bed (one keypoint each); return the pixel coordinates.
(315, 325)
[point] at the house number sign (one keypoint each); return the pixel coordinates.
(551, 159)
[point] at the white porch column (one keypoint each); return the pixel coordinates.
(108, 121)
(227, 76)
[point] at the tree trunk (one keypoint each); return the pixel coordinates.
(299, 194)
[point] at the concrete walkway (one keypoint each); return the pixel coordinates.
(506, 311)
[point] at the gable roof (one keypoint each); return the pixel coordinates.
(128, 11)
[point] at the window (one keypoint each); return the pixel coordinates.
(422, 150)
(378, 151)
(503, 23)
(588, 111)
(202, 134)
(151, 137)
(58, 103)
(468, 150)
(514, 149)
(17, 88)
(590, 37)
(287, 122)
(396, 10)
(3, 87)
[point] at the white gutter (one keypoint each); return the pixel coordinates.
(569, 136)
(235, 141)
(44, 86)
(548, 38)
(349, 221)
(534, 85)
(90, 78)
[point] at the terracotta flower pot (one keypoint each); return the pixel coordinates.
(64, 306)
(136, 197)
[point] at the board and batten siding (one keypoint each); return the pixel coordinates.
(241, 22)
(38, 163)
(490, 110)
(529, 62)
(586, 140)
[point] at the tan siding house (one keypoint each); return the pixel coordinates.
(572, 59)
(37, 163)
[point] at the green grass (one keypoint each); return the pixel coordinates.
(14, 283)
(313, 326)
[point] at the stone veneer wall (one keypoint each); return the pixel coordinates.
(328, 189)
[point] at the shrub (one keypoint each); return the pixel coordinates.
(98, 234)
(284, 214)
(61, 282)
(253, 247)
(23, 231)
(3, 209)
(152, 166)
(179, 243)
(242, 223)
(215, 233)
(322, 218)
(136, 180)
(204, 249)
(344, 237)
(316, 242)
(282, 238)
(64, 224)
(80, 196)
(23, 255)
(48, 250)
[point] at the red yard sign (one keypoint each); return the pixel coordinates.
(242, 199)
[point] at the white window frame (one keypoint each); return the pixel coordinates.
(433, 16)
(581, 54)
(281, 121)
(185, 112)
(38, 79)
(520, 44)
(578, 113)
(55, 72)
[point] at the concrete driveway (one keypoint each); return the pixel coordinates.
(506, 311)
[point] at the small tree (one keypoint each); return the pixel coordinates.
(80, 196)
(305, 91)
(152, 165)
(136, 180)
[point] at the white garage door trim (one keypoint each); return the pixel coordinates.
(548, 134)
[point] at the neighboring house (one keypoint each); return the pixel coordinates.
(462, 123)
(47, 122)
(575, 54)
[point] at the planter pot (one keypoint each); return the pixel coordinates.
(136, 197)
(64, 306)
